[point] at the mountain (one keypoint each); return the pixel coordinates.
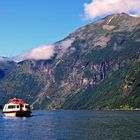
(5, 66)
(95, 67)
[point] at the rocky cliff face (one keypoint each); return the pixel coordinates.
(89, 71)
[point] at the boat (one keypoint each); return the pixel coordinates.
(16, 107)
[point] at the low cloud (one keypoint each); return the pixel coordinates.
(44, 52)
(99, 8)
(66, 44)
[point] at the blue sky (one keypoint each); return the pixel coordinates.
(26, 24)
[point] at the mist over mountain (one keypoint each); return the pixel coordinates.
(95, 67)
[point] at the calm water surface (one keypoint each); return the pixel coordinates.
(72, 125)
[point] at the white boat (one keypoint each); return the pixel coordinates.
(16, 108)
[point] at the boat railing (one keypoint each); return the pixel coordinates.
(15, 100)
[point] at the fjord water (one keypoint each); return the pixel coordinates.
(72, 125)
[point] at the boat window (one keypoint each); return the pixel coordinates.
(11, 106)
(27, 106)
(17, 106)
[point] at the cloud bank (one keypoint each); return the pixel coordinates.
(65, 44)
(44, 52)
(105, 7)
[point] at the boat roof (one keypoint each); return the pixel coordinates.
(12, 99)
(16, 101)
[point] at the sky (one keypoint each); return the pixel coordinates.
(26, 24)
(29, 24)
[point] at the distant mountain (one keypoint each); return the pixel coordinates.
(95, 67)
(5, 66)
(4, 59)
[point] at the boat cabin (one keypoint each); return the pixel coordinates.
(16, 107)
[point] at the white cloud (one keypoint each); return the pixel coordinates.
(44, 52)
(104, 7)
(40, 53)
(66, 44)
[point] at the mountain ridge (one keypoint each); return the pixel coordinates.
(95, 67)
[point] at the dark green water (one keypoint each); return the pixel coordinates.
(72, 125)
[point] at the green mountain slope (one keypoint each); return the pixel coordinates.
(19, 83)
(112, 93)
